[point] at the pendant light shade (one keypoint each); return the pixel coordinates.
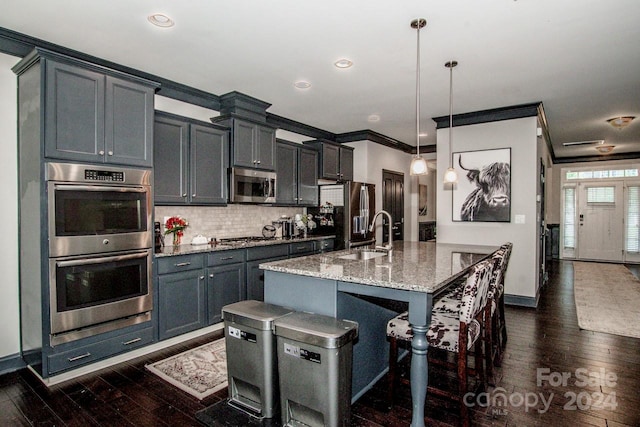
(418, 164)
(450, 176)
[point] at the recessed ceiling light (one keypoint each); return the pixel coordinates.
(605, 149)
(161, 20)
(423, 134)
(343, 63)
(301, 84)
(621, 122)
(373, 118)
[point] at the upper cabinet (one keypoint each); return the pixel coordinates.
(297, 170)
(90, 114)
(336, 160)
(190, 161)
(253, 141)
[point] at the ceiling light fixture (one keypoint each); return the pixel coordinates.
(343, 63)
(595, 141)
(605, 149)
(621, 122)
(450, 175)
(301, 84)
(373, 118)
(418, 163)
(161, 20)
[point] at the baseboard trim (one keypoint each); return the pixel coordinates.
(520, 301)
(11, 363)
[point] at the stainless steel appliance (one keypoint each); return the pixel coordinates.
(95, 209)
(100, 249)
(353, 206)
(252, 186)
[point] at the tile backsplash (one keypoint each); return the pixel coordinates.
(234, 220)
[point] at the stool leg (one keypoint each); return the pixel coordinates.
(393, 371)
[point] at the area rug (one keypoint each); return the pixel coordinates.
(607, 298)
(200, 371)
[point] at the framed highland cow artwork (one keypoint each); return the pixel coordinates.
(483, 191)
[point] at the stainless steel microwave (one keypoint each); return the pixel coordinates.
(252, 186)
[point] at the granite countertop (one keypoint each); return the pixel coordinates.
(414, 266)
(169, 250)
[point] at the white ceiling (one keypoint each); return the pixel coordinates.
(580, 58)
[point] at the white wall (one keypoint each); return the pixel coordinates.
(9, 302)
(520, 136)
(369, 160)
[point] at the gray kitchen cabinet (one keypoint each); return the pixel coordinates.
(253, 144)
(91, 116)
(325, 245)
(302, 248)
(336, 160)
(226, 281)
(190, 161)
(181, 294)
(297, 169)
(255, 276)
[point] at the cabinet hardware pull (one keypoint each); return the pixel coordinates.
(201, 277)
(193, 195)
(258, 162)
(226, 258)
(82, 356)
(301, 248)
(211, 275)
(182, 264)
(110, 153)
(133, 341)
(184, 194)
(101, 152)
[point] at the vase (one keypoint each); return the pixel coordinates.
(177, 238)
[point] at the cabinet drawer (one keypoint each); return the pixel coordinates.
(174, 264)
(325, 245)
(226, 257)
(302, 248)
(93, 352)
(270, 251)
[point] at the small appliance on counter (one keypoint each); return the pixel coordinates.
(285, 227)
(199, 240)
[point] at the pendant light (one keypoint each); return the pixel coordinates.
(450, 176)
(418, 163)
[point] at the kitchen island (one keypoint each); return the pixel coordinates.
(357, 284)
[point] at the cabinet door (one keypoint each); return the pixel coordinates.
(244, 137)
(209, 164)
(330, 161)
(129, 123)
(346, 164)
(74, 113)
(307, 177)
(286, 185)
(170, 160)
(266, 148)
(181, 303)
(255, 278)
(225, 285)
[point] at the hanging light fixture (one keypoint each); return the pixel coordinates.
(450, 176)
(418, 163)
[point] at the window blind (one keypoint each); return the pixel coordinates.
(601, 195)
(569, 217)
(633, 219)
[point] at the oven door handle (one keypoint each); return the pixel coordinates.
(66, 187)
(100, 260)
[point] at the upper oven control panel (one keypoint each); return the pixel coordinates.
(103, 175)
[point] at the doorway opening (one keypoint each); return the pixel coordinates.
(393, 202)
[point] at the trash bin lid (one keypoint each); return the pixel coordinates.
(316, 329)
(255, 314)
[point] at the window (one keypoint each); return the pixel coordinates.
(601, 195)
(601, 174)
(569, 218)
(633, 220)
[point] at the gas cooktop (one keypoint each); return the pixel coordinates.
(245, 239)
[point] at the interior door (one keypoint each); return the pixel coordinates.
(393, 202)
(600, 221)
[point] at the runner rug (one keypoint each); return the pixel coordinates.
(607, 298)
(200, 371)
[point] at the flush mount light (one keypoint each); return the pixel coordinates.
(373, 118)
(621, 122)
(343, 63)
(302, 84)
(605, 149)
(161, 20)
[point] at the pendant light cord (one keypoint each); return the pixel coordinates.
(418, 94)
(451, 112)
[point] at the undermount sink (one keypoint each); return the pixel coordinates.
(363, 255)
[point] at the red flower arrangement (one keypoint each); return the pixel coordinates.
(175, 225)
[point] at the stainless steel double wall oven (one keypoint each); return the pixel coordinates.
(100, 248)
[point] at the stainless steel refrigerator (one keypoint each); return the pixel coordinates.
(353, 208)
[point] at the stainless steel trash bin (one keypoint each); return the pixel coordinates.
(315, 355)
(251, 356)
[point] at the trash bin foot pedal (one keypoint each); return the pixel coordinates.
(223, 414)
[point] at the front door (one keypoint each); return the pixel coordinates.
(600, 221)
(393, 202)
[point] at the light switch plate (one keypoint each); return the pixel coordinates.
(520, 219)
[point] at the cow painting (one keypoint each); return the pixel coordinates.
(486, 195)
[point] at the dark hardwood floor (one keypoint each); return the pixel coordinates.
(546, 339)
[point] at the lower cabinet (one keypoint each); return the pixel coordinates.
(225, 285)
(181, 302)
(255, 276)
